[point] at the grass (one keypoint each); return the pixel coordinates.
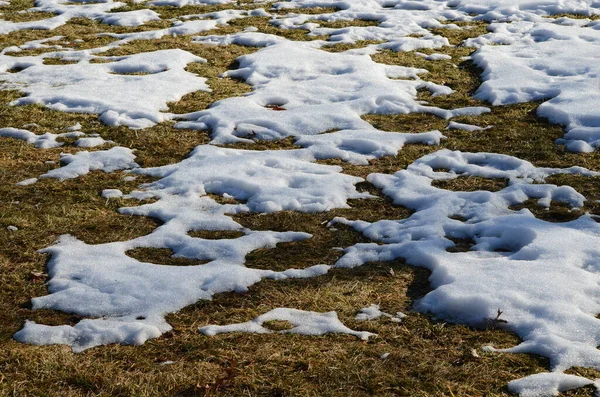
(427, 357)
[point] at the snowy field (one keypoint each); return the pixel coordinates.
(152, 149)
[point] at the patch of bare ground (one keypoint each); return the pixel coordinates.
(327, 240)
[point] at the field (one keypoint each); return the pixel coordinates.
(171, 165)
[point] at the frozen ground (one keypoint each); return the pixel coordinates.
(545, 276)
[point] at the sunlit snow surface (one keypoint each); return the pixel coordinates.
(547, 61)
(305, 323)
(544, 276)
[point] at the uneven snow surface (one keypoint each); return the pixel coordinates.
(547, 61)
(108, 89)
(315, 92)
(544, 276)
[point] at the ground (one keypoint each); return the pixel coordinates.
(428, 356)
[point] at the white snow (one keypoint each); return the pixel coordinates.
(67, 10)
(112, 193)
(552, 62)
(304, 322)
(547, 384)
(112, 90)
(188, 27)
(514, 10)
(402, 25)
(434, 56)
(74, 127)
(44, 141)
(107, 89)
(181, 3)
(466, 127)
(90, 142)
(318, 91)
(81, 163)
(48, 140)
(129, 298)
(544, 276)
(373, 312)
(26, 182)
(360, 146)
(266, 181)
(129, 18)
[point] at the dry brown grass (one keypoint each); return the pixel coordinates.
(15, 11)
(427, 357)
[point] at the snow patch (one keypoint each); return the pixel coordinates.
(304, 322)
(137, 101)
(81, 163)
(318, 90)
(373, 312)
(544, 276)
(546, 61)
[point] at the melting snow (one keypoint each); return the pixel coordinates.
(544, 276)
(372, 312)
(550, 62)
(315, 91)
(305, 323)
(112, 193)
(466, 127)
(267, 181)
(108, 89)
(44, 141)
(81, 163)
